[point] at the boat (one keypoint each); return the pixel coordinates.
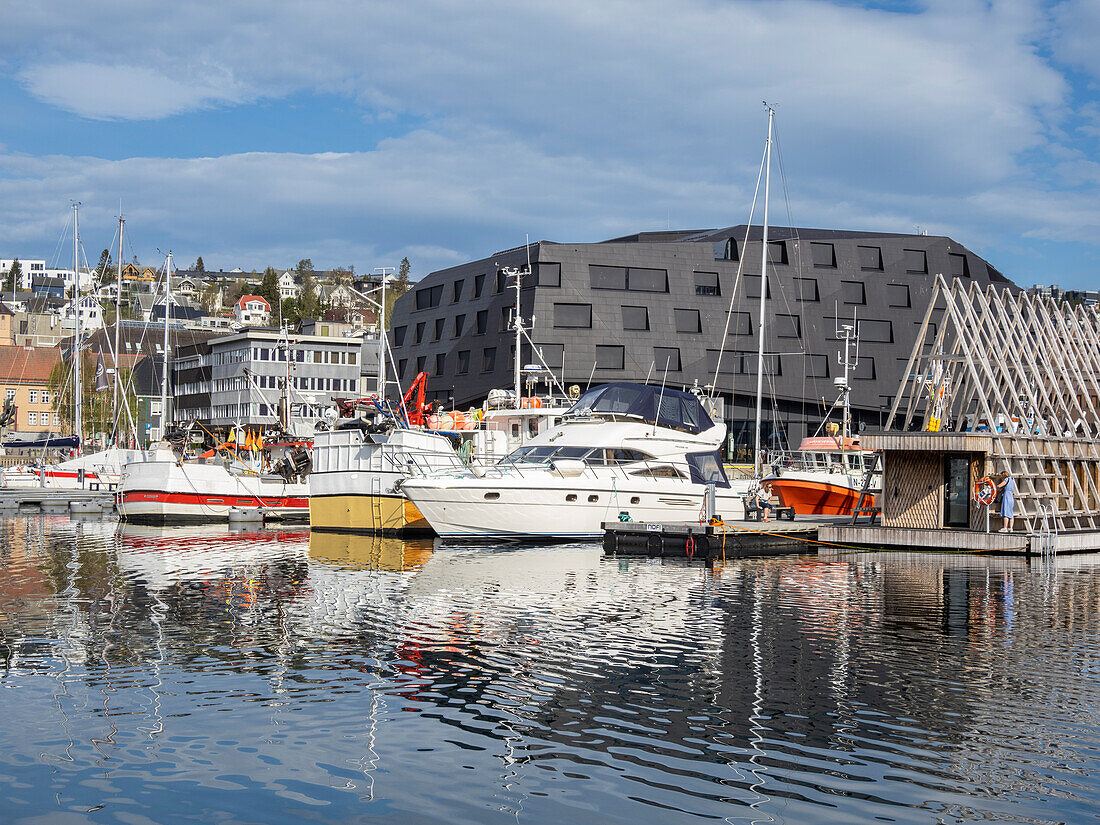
(165, 487)
(623, 451)
(98, 470)
(827, 473)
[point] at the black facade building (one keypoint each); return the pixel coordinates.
(654, 306)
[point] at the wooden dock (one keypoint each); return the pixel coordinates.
(1021, 542)
(708, 542)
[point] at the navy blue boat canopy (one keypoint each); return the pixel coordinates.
(678, 410)
(69, 442)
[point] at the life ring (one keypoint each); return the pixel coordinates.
(985, 491)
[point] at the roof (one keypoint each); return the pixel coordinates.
(666, 407)
(244, 299)
(27, 364)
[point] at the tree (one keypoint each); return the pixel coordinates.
(305, 267)
(13, 276)
(309, 305)
(199, 267)
(343, 276)
(397, 288)
(210, 297)
(269, 287)
(103, 268)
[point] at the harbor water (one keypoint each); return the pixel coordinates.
(274, 676)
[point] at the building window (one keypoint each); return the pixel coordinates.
(725, 250)
(817, 366)
(635, 279)
(959, 267)
(740, 323)
(463, 366)
(573, 316)
(870, 258)
(488, 359)
(807, 290)
(437, 333)
(706, 283)
(429, 297)
(824, 255)
(788, 326)
(419, 333)
(404, 362)
(729, 365)
(916, 262)
(479, 285)
(548, 274)
(666, 358)
(607, 277)
(440, 362)
(553, 355)
(865, 369)
(897, 295)
(501, 282)
(33, 396)
(32, 419)
(688, 321)
(45, 396)
(506, 318)
(636, 318)
(421, 362)
(460, 322)
(609, 357)
(482, 322)
(752, 286)
(456, 290)
(879, 332)
(852, 292)
(10, 395)
(777, 252)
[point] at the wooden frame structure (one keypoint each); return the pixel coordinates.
(1021, 373)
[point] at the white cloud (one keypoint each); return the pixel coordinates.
(120, 92)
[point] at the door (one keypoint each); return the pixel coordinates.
(956, 491)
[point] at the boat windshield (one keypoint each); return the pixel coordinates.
(591, 455)
(666, 407)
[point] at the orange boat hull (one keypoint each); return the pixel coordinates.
(815, 498)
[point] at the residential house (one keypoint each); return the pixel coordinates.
(91, 313)
(25, 382)
(252, 310)
(7, 323)
(290, 285)
(47, 287)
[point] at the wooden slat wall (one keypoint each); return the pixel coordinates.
(913, 490)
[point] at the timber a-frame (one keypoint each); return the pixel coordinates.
(1021, 374)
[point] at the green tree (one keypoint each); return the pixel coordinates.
(13, 276)
(104, 267)
(305, 267)
(309, 304)
(199, 267)
(269, 287)
(209, 297)
(398, 287)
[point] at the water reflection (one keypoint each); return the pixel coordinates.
(184, 673)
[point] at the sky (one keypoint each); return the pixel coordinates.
(357, 133)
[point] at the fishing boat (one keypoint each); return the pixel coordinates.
(827, 473)
(623, 451)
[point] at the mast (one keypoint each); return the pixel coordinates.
(118, 313)
(382, 337)
(164, 369)
(758, 464)
(519, 331)
(78, 389)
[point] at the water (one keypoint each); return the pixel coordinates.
(184, 675)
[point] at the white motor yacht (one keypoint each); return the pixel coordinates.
(623, 451)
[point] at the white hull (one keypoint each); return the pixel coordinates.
(102, 469)
(540, 505)
(161, 491)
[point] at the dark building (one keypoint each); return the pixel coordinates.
(632, 307)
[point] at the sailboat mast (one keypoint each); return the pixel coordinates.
(78, 388)
(519, 330)
(758, 463)
(118, 313)
(164, 369)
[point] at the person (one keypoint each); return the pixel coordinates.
(763, 501)
(1007, 485)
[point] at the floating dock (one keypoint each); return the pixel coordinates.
(708, 542)
(1020, 543)
(52, 499)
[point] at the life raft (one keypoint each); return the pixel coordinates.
(985, 491)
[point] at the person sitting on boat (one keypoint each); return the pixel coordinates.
(763, 501)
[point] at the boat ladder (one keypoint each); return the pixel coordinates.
(376, 503)
(1048, 534)
(870, 510)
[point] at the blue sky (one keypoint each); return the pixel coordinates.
(257, 133)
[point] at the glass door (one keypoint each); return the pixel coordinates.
(956, 491)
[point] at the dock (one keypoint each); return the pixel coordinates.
(710, 542)
(1019, 543)
(57, 500)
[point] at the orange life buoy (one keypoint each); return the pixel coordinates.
(985, 491)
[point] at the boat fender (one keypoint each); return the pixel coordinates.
(689, 547)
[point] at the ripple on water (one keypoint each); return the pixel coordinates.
(177, 674)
